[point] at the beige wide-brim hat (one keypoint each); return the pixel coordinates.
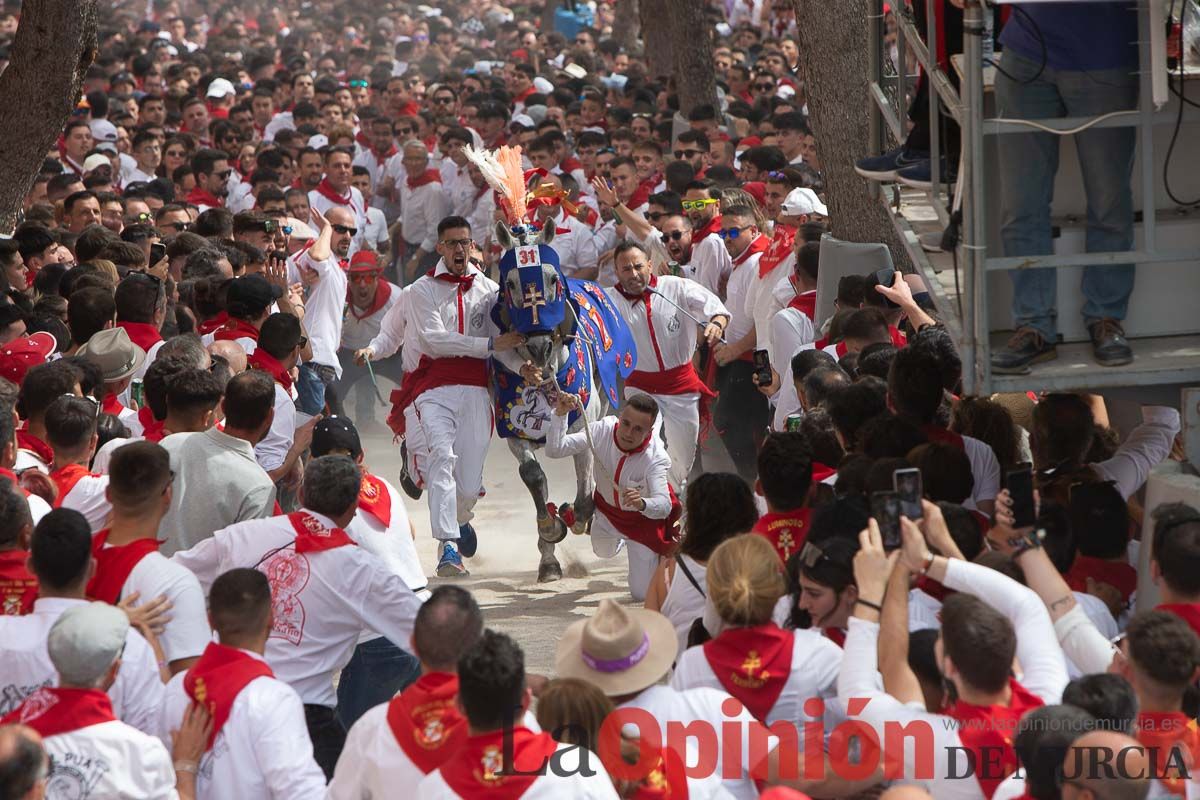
(619, 650)
(112, 350)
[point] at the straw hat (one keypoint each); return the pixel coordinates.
(619, 650)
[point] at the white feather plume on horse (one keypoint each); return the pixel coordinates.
(503, 172)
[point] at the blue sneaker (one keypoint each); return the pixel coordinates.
(450, 564)
(467, 541)
(885, 167)
(920, 176)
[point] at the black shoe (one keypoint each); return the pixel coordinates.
(1109, 344)
(1026, 348)
(406, 482)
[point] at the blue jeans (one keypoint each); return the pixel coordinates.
(376, 672)
(1028, 163)
(314, 390)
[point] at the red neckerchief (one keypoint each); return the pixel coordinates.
(995, 728)
(570, 164)
(1163, 731)
(27, 441)
(641, 195)
(18, 586)
(143, 334)
(383, 291)
(329, 193)
(636, 298)
(713, 226)
(218, 677)
(1188, 612)
(210, 325)
(312, 536)
(482, 768)
(426, 722)
(521, 97)
(203, 197)
(941, 435)
(1117, 574)
(65, 479)
(640, 448)
(374, 499)
(759, 245)
(805, 302)
(113, 565)
(667, 779)
(752, 664)
(463, 281)
(785, 530)
(384, 156)
(111, 405)
(780, 248)
(152, 427)
(235, 329)
(54, 711)
(899, 340)
(261, 359)
(822, 471)
(409, 110)
(835, 635)
(425, 178)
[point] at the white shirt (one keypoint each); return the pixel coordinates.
(791, 330)
(768, 295)
(392, 545)
(322, 601)
(25, 665)
(480, 211)
(263, 750)
(109, 761)
(985, 469)
(421, 209)
(673, 340)
(358, 333)
(272, 451)
(738, 298)
(88, 497)
(577, 247)
(187, 634)
(567, 781)
(377, 167)
(1045, 673)
(392, 329)
(815, 664)
(683, 604)
(711, 264)
(460, 190)
(377, 229)
(437, 331)
(324, 308)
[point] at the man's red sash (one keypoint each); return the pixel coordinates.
(55, 711)
(752, 664)
(994, 728)
(425, 720)
(313, 537)
(113, 565)
(482, 768)
(785, 530)
(677, 380)
(374, 499)
(430, 374)
(18, 586)
(657, 534)
(218, 677)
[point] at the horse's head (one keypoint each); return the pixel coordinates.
(533, 288)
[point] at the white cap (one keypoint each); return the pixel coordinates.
(524, 120)
(803, 201)
(85, 641)
(575, 71)
(103, 130)
(300, 230)
(318, 140)
(220, 88)
(94, 161)
(542, 85)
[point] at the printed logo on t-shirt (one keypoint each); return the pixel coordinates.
(13, 695)
(674, 323)
(477, 320)
(287, 571)
(75, 775)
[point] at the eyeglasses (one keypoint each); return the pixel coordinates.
(287, 229)
(358, 83)
(732, 233)
(696, 205)
(655, 216)
(764, 87)
(443, 101)
(673, 236)
(606, 151)
(345, 229)
(89, 398)
(454, 244)
(682, 154)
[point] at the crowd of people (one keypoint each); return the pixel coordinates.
(255, 213)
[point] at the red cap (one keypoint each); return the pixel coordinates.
(20, 355)
(757, 190)
(363, 261)
(749, 141)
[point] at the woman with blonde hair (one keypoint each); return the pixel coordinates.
(772, 671)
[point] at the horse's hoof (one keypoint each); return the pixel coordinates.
(552, 530)
(582, 527)
(549, 571)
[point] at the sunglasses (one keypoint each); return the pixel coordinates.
(696, 205)
(682, 154)
(673, 236)
(764, 87)
(405, 131)
(443, 101)
(179, 227)
(358, 83)
(224, 175)
(731, 233)
(655, 216)
(364, 277)
(345, 229)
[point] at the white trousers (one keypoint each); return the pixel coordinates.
(679, 421)
(607, 542)
(456, 425)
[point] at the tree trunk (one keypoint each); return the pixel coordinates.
(656, 37)
(691, 45)
(833, 57)
(53, 47)
(624, 31)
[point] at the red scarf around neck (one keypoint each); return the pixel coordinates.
(202, 197)
(806, 304)
(261, 359)
(752, 664)
(779, 249)
(374, 499)
(479, 768)
(152, 427)
(313, 537)
(211, 325)
(65, 479)
(1163, 731)
(327, 191)
(235, 329)
(385, 155)
(424, 179)
(383, 292)
(713, 226)
(1188, 612)
(27, 441)
(113, 565)
(218, 677)
(464, 282)
(759, 245)
(111, 405)
(785, 530)
(1117, 574)
(995, 728)
(55, 711)
(942, 435)
(18, 586)
(143, 334)
(426, 722)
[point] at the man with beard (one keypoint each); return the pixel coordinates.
(211, 170)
